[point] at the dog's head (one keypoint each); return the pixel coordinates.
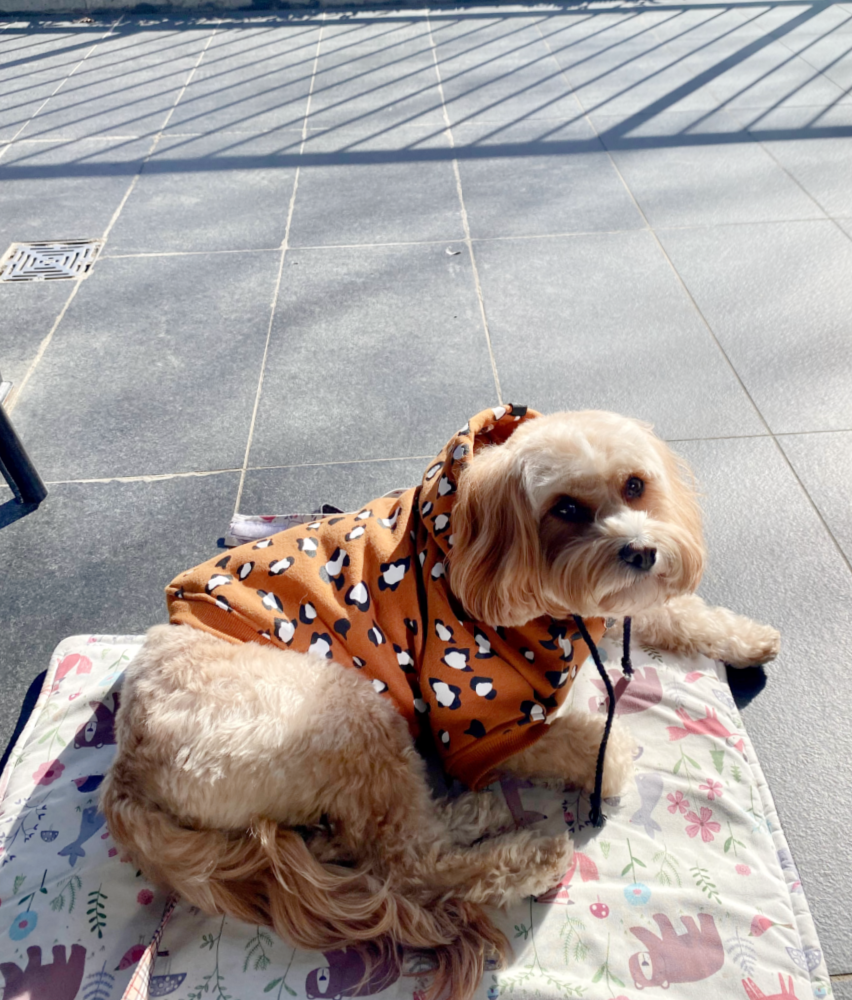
(586, 513)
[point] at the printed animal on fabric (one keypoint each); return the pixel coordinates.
(100, 729)
(345, 975)
(354, 588)
(90, 823)
(677, 958)
(636, 693)
(56, 980)
(650, 787)
(708, 726)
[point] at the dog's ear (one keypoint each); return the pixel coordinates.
(685, 511)
(495, 561)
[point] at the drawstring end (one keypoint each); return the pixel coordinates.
(596, 816)
(626, 665)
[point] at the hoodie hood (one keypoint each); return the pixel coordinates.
(438, 488)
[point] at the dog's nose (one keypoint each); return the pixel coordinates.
(641, 559)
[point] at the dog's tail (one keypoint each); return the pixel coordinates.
(269, 876)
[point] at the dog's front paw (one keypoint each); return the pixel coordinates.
(751, 644)
(618, 762)
(548, 861)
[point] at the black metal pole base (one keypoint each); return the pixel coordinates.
(16, 467)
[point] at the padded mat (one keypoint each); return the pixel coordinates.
(689, 888)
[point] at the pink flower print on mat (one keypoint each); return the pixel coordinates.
(703, 823)
(760, 925)
(743, 870)
(46, 773)
(22, 925)
(68, 663)
(678, 802)
(144, 897)
(713, 789)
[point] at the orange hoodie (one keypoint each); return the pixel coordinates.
(369, 590)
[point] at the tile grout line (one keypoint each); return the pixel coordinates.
(157, 476)
(12, 400)
(567, 235)
(190, 253)
(16, 393)
(284, 247)
(152, 477)
(770, 433)
(201, 473)
(463, 210)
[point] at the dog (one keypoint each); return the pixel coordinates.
(267, 764)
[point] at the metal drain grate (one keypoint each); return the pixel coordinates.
(49, 261)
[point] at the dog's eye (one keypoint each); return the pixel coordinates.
(634, 488)
(569, 509)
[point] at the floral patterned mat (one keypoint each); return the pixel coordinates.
(690, 886)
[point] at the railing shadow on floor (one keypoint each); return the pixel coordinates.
(373, 67)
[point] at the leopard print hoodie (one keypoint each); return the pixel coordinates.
(369, 590)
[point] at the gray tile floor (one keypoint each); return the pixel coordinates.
(652, 210)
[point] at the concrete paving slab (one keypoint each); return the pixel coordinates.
(63, 190)
(155, 44)
(811, 144)
(842, 988)
(169, 209)
(93, 102)
(175, 391)
(28, 311)
(360, 188)
(19, 102)
(614, 75)
(601, 322)
(249, 81)
(359, 371)
(347, 485)
(678, 181)
(770, 75)
(500, 71)
(361, 85)
(778, 296)
(540, 178)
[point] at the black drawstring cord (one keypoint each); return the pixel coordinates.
(626, 665)
(596, 816)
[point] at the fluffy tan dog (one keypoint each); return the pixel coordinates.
(284, 789)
